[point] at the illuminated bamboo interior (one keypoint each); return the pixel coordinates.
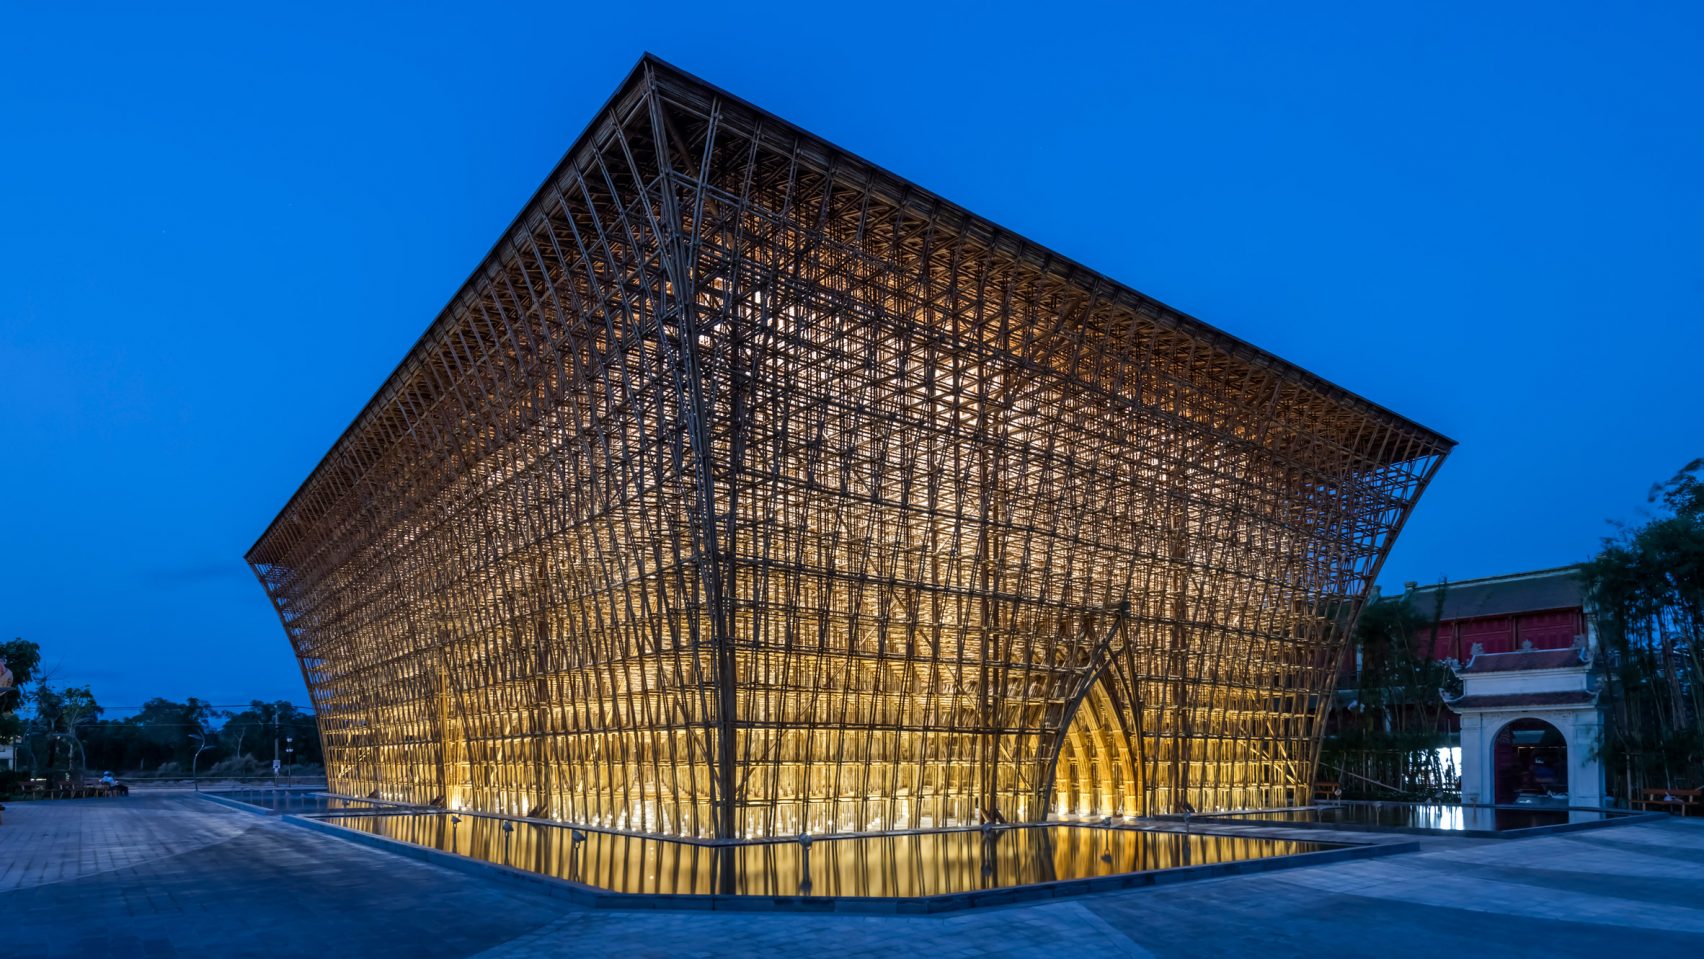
(749, 490)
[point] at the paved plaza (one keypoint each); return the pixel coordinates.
(159, 875)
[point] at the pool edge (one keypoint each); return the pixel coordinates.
(593, 897)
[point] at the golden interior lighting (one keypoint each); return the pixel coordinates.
(749, 490)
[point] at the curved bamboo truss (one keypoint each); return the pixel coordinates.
(748, 489)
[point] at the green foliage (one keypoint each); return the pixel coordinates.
(264, 727)
(60, 732)
(22, 659)
(1646, 587)
(12, 783)
(1398, 687)
(237, 766)
(192, 735)
(161, 731)
(53, 737)
(1384, 744)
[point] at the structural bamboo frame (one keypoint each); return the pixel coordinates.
(750, 490)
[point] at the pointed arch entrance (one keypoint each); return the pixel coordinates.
(1097, 771)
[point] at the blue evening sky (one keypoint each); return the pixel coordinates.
(220, 230)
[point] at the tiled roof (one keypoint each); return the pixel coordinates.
(1572, 697)
(1502, 595)
(1525, 659)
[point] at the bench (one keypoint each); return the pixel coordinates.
(76, 790)
(1680, 801)
(1327, 790)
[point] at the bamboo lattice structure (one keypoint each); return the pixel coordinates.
(749, 490)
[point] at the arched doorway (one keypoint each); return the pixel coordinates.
(1530, 764)
(1095, 773)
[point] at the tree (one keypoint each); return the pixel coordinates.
(1390, 735)
(63, 725)
(21, 659)
(1398, 685)
(194, 735)
(62, 716)
(1646, 587)
(162, 731)
(268, 726)
(203, 737)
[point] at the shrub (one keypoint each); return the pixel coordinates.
(12, 783)
(244, 765)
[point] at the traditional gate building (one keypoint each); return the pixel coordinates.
(748, 489)
(1531, 727)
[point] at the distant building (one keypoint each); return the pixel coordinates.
(8, 757)
(1528, 716)
(1545, 609)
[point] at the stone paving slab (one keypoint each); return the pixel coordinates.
(170, 876)
(39, 844)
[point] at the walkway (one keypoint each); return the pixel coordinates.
(174, 875)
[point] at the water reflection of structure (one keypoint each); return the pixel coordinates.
(896, 865)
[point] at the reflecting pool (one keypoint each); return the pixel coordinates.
(298, 801)
(1441, 817)
(924, 864)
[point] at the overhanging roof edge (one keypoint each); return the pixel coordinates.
(1030, 249)
(436, 328)
(1036, 254)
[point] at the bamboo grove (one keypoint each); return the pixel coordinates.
(1388, 743)
(749, 490)
(1646, 589)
